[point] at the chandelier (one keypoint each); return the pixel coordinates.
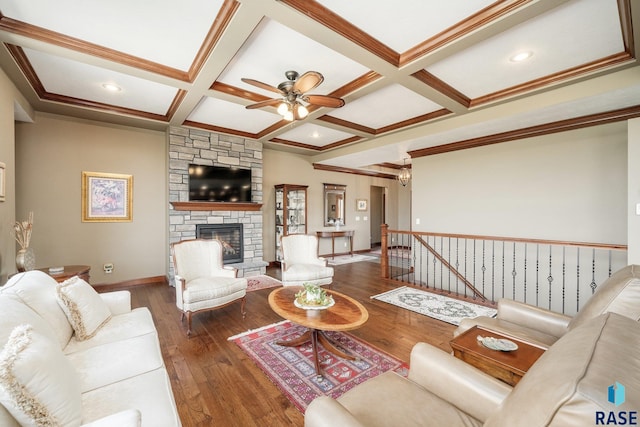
(405, 174)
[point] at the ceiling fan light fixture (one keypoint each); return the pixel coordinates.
(301, 111)
(291, 104)
(283, 108)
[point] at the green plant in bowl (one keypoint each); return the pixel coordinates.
(313, 296)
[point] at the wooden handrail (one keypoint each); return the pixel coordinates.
(606, 246)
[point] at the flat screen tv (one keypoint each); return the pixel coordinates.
(219, 184)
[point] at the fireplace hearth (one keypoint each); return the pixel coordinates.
(231, 237)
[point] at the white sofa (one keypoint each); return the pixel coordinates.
(103, 369)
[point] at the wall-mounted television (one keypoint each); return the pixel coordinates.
(219, 184)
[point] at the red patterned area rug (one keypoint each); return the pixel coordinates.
(261, 281)
(292, 368)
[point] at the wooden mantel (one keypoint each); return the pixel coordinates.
(216, 206)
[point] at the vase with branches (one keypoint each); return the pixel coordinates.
(25, 258)
(23, 230)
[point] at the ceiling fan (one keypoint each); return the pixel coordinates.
(293, 93)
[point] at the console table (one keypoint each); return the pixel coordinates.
(333, 234)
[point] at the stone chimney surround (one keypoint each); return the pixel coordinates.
(188, 146)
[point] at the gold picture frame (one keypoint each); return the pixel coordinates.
(361, 204)
(107, 197)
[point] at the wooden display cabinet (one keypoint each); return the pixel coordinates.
(291, 212)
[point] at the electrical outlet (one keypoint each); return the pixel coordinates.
(108, 268)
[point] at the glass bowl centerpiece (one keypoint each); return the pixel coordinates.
(312, 297)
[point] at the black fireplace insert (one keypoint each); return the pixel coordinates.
(231, 237)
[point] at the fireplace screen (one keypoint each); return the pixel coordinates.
(230, 235)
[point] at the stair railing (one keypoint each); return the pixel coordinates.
(556, 275)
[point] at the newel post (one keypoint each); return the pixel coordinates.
(384, 260)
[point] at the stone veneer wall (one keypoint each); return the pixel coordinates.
(201, 147)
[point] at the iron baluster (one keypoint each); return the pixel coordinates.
(525, 273)
(513, 272)
(578, 281)
(593, 272)
(550, 277)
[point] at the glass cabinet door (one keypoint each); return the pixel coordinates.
(296, 200)
(291, 212)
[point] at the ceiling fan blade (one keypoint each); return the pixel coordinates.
(274, 101)
(262, 85)
(324, 101)
(307, 81)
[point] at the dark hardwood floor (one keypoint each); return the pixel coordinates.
(215, 383)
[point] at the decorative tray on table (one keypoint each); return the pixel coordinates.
(499, 344)
(313, 297)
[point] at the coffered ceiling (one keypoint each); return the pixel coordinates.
(418, 76)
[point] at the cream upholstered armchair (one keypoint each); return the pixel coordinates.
(620, 294)
(202, 281)
(300, 261)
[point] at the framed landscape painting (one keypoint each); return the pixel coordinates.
(107, 197)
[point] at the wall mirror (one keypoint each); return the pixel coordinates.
(334, 204)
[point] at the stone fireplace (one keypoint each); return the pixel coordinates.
(207, 148)
(229, 235)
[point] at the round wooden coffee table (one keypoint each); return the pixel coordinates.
(345, 315)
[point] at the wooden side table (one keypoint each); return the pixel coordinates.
(69, 271)
(508, 366)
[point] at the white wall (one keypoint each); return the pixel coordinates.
(565, 186)
(634, 191)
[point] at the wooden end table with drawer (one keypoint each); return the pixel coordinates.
(69, 271)
(508, 366)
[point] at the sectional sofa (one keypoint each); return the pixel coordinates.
(73, 357)
(589, 377)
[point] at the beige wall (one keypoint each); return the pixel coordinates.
(8, 96)
(566, 186)
(287, 168)
(50, 157)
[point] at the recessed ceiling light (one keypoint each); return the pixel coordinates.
(111, 87)
(521, 56)
(315, 134)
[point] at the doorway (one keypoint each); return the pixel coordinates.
(378, 214)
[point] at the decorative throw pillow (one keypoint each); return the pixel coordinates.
(38, 385)
(86, 311)
(38, 290)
